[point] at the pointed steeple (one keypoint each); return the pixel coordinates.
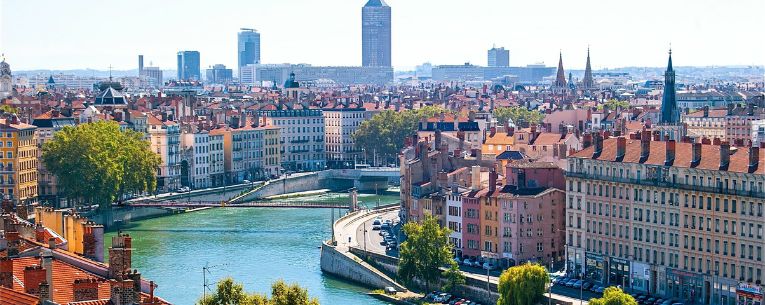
(587, 82)
(669, 112)
(560, 79)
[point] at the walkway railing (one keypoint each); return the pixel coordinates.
(254, 204)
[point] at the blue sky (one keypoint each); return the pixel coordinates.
(55, 34)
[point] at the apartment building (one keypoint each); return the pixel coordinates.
(164, 137)
(250, 152)
(47, 125)
(301, 137)
(18, 160)
(340, 123)
(674, 219)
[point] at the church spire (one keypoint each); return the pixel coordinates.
(560, 79)
(587, 82)
(669, 112)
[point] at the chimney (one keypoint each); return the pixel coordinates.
(135, 277)
(730, 108)
(443, 178)
(492, 181)
(511, 131)
(55, 113)
(47, 264)
(750, 109)
(33, 276)
(716, 141)
(670, 155)
(621, 148)
(120, 255)
(724, 155)
(43, 291)
(122, 292)
(656, 136)
(492, 131)
(52, 243)
(85, 289)
(598, 141)
(706, 141)
(586, 140)
(6, 272)
(645, 145)
(437, 144)
(754, 158)
(475, 176)
(706, 111)
(696, 154)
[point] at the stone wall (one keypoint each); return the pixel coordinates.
(352, 268)
(292, 184)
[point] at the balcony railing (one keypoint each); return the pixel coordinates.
(300, 141)
(668, 184)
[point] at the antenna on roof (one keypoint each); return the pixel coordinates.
(110, 72)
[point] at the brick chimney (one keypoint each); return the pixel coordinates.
(706, 141)
(475, 177)
(586, 140)
(754, 158)
(716, 141)
(598, 141)
(135, 277)
(724, 155)
(645, 145)
(6, 272)
(706, 111)
(621, 148)
(122, 292)
(13, 242)
(696, 154)
(670, 155)
(438, 136)
(33, 276)
(85, 289)
(492, 181)
(120, 255)
(43, 291)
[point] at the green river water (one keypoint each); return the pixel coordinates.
(255, 246)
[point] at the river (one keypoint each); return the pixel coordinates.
(255, 246)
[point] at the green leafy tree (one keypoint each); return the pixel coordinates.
(522, 285)
(614, 296)
(229, 292)
(454, 277)
(97, 162)
(426, 248)
(614, 104)
(520, 116)
(384, 133)
(8, 109)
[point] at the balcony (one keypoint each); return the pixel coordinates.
(319, 150)
(668, 184)
(319, 140)
(297, 151)
(300, 141)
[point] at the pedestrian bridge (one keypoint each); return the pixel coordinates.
(252, 204)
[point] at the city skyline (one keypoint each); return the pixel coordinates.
(692, 28)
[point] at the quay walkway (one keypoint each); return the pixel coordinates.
(253, 204)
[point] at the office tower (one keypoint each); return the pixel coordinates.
(218, 74)
(375, 34)
(188, 65)
(140, 65)
(248, 50)
(499, 57)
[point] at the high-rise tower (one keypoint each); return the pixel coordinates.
(669, 112)
(560, 79)
(248, 48)
(498, 57)
(375, 34)
(587, 82)
(188, 65)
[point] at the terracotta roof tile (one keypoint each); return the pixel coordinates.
(12, 297)
(710, 155)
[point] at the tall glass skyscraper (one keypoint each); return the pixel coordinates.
(248, 50)
(375, 34)
(188, 65)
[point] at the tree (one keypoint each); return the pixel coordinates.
(426, 248)
(454, 277)
(522, 285)
(520, 116)
(4, 108)
(97, 162)
(230, 293)
(614, 296)
(614, 104)
(384, 133)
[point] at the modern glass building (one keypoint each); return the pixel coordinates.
(498, 57)
(375, 34)
(248, 50)
(188, 65)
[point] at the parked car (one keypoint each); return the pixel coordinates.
(467, 262)
(488, 266)
(578, 284)
(587, 285)
(570, 283)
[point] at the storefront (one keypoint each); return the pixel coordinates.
(595, 267)
(749, 294)
(685, 285)
(619, 272)
(641, 277)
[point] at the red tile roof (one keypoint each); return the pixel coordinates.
(710, 155)
(12, 297)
